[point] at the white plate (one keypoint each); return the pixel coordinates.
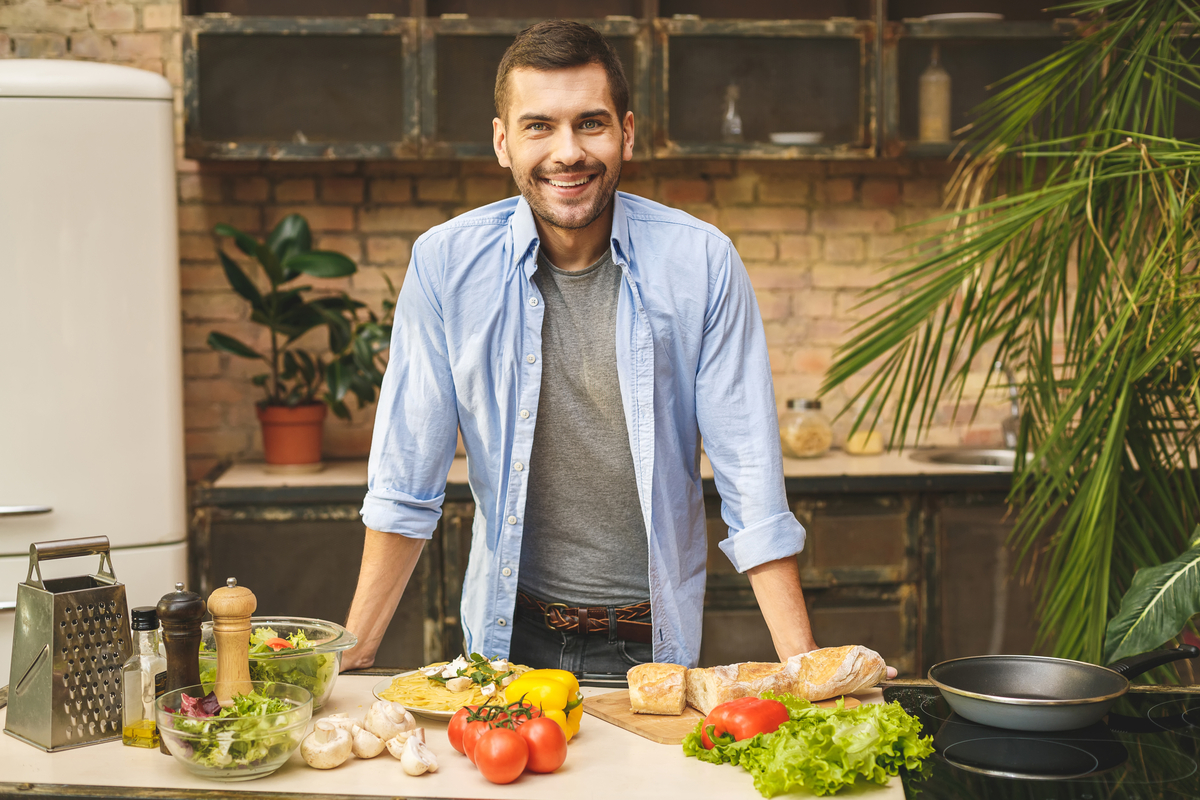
(963, 16)
(417, 710)
(797, 137)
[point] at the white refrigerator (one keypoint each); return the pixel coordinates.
(91, 395)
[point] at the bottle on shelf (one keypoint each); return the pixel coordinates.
(933, 109)
(731, 125)
(143, 679)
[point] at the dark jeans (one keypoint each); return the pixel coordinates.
(539, 646)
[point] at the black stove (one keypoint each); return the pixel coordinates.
(1147, 748)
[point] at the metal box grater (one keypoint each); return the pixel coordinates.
(70, 641)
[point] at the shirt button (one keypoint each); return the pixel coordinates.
(512, 520)
(533, 301)
(524, 413)
(531, 358)
(518, 466)
(502, 622)
(506, 572)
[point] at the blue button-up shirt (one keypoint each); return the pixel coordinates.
(691, 360)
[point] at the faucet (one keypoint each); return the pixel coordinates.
(1011, 425)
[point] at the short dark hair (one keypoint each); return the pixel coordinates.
(559, 44)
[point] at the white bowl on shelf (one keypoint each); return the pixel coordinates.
(797, 137)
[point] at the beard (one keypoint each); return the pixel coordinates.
(576, 213)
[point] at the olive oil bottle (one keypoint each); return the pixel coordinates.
(143, 678)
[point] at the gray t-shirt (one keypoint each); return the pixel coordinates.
(584, 541)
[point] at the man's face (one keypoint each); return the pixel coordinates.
(563, 142)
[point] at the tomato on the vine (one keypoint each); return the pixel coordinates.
(457, 725)
(472, 731)
(501, 755)
(547, 744)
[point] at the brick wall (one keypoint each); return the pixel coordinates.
(812, 234)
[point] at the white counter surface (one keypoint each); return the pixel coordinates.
(603, 762)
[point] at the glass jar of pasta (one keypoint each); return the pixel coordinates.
(804, 430)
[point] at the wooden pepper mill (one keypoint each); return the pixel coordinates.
(180, 613)
(231, 607)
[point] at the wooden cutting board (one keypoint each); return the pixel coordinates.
(614, 708)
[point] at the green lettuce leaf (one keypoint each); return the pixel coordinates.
(824, 750)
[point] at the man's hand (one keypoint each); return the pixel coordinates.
(776, 586)
(387, 564)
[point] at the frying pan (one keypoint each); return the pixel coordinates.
(1039, 693)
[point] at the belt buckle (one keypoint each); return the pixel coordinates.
(546, 613)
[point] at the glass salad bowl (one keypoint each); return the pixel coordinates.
(252, 738)
(314, 667)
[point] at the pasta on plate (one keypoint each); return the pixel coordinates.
(416, 690)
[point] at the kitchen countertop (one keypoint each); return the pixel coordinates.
(835, 472)
(604, 761)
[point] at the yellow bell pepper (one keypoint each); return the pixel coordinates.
(555, 692)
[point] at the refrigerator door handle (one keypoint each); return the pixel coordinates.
(22, 511)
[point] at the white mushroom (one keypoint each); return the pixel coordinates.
(341, 721)
(386, 719)
(417, 758)
(459, 684)
(366, 744)
(396, 744)
(327, 746)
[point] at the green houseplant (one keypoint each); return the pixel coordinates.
(300, 384)
(1069, 254)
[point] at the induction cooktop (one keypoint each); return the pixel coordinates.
(1148, 747)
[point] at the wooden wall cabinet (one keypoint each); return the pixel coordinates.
(405, 79)
(792, 77)
(284, 88)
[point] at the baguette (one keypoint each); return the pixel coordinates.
(833, 671)
(708, 688)
(818, 675)
(657, 689)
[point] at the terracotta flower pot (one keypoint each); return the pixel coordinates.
(292, 436)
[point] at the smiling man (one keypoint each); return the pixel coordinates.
(582, 340)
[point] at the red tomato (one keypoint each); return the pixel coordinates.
(501, 755)
(457, 725)
(279, 644)
(471, 733)
(547, 744)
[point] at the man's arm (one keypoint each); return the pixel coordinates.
(412, 448)
(387, 564)
(776, 586)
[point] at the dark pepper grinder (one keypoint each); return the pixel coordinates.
(180, 613)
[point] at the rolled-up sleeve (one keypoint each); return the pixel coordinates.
(416, 422)
(735, 409)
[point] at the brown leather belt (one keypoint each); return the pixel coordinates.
(593, 619)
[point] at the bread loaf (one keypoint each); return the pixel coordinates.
(657, 689)
(819, 675)
(708, 688)
(834, 671)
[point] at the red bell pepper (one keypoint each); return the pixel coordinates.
(741, 719)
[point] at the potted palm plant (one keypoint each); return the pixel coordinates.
(299, 385)
(1070, 255)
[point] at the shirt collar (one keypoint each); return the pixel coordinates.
(526, 240)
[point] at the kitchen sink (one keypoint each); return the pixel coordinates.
(974, 458)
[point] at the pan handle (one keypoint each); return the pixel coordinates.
(1136, 665)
